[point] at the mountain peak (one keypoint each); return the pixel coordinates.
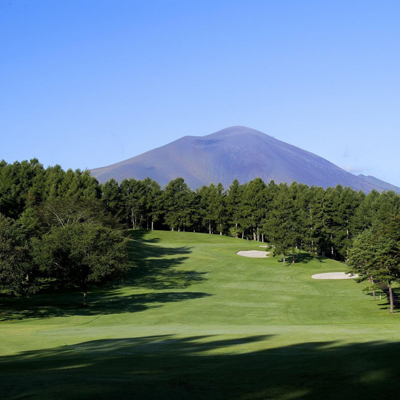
(236, 152)
(236, 130)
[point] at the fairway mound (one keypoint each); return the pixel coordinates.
(253, 253)
(334, 275)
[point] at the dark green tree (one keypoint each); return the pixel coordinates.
(212, 203)
(17, 186)
(18, 274)
(112, 198)
(81, 254)
(134, 198)
(178, 205)
(254, 207)
(151, 202)
(361, 258)
(280, 223)
(375, 254)
(233, 201)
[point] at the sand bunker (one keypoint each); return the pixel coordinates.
(334, 275)
(253, 253)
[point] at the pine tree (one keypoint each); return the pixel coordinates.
(375, 254)
(18, 274)
(233, 201)
(254, 207)
(178, 200)
(279, 224)
(112, 199)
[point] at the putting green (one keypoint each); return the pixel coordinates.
(194, 320)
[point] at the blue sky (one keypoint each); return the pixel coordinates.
(87, 83)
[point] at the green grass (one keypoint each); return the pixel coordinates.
(194, 320)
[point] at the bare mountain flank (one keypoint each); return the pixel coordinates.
(235, 153)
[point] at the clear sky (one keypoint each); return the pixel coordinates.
(87, 83)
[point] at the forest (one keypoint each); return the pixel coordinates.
(65, 226)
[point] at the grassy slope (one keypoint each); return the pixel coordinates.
(203, 323)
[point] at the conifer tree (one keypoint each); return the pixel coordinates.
(18, 274)
(112, 199)
(254, 206)
(279, 225)
(375, 254)
(177, 200)
(233, 201)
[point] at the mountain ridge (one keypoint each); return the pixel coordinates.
(232, 153)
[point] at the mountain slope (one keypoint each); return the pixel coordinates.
(233, 153)
(381, 185)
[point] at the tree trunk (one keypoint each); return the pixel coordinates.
(209, 228)
(85, 298)
(242, 234)
(293, 260)
(284, 260)
(152, 225)
(390, 297)
(373, 290)
(262, 237)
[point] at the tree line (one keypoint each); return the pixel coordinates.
(54, 230)
(40, 208)
(293, 217)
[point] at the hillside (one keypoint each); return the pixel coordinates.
(379, 184)
(233, 153)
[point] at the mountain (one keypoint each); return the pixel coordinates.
(380, 185)
(235, 153)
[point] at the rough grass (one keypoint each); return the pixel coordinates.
(194, 320)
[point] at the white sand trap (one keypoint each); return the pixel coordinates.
(253, 253)
(334, 275)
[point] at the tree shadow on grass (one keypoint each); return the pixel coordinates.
(203, 367)
(301, 258)
(153, 267)
(305, 258)
(101, 302)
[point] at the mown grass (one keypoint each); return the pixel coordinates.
(194, 320)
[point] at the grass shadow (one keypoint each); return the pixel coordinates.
(305, 258)
(301, 258)
(155, 266)
(199, 367)
(101, 302)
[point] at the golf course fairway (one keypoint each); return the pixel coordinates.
(193, 320)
